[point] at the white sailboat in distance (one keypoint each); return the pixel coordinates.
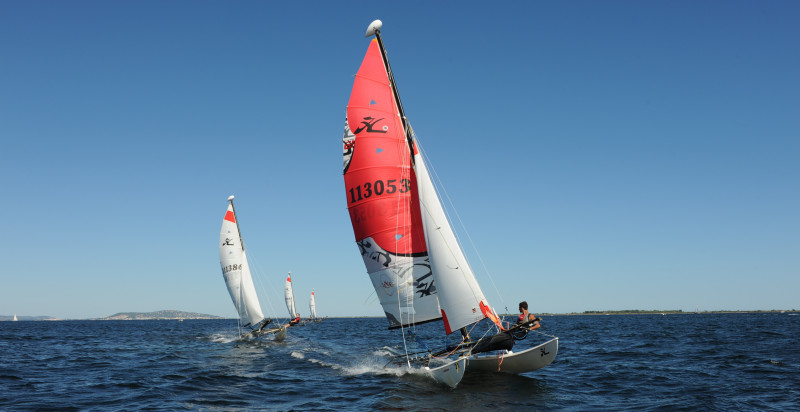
(288, 291)
(312, 307)
(236, 272)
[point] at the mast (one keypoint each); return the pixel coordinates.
(238, 229)
(241, 278)
(460, 297)
(236, 271)
(381, 194)
(375, 29)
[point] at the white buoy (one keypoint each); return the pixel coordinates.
(230, 198)
(373, 28)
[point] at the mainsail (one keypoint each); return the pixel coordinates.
(235, 270)
(383, 200)
(312, 306)
(289, 296)
(414, 261)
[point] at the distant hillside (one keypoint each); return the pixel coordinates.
(159, 315)
(11, 317)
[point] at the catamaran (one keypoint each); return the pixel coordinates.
(410, 251)
(312, 308)
(236, 272)
(289, 294)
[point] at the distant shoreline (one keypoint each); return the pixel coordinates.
(180, 315)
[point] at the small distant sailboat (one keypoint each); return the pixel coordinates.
(15, 318)
(409, 249)
(312, 308)
(289, 294)
(236, 272)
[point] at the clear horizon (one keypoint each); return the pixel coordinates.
(601, 155)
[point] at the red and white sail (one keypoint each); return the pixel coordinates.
(382, 198)
(236, 272)
(289, 294)
(312, 306)
(414, 260)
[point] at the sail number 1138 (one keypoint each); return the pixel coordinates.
(377, 188)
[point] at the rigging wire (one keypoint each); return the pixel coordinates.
(405, 214)
(439, 187)
(260, 284)
(258, 275)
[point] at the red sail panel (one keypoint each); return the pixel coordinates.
(380, 184)
(230, 216)
(489, 313)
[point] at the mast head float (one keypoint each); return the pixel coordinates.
(230, 198)
(374, 28)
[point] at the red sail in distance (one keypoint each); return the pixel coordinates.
(380, 184)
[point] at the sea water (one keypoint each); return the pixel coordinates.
(619, 362)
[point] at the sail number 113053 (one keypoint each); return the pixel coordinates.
(377, 188)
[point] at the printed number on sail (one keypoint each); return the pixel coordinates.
(366, 190)
(229, 268)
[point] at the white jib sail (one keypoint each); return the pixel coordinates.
(236, 271)
(289, 296)
(312, 306)
(460, 296)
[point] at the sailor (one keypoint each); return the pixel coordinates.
(296, 320)
(524, 316)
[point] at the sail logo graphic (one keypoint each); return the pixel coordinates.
(373, 252)
(389, 287)
(425, 288)
(228, 242)
(349, 144)
(369, 124)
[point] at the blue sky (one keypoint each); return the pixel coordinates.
(601, 155)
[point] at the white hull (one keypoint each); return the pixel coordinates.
(280, 334)
(528, 360)
(450, 373)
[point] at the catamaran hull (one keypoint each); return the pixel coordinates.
(279, 334)
(449, 374)
(528, 360)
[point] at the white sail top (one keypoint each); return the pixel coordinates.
(460, 297)
(236, 272)
(312, 306)
(290, 297)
